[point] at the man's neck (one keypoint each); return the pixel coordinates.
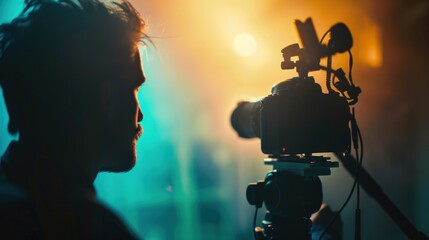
(29, 164)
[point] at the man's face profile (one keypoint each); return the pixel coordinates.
(70, 72)
(77, 98)
(122, 126)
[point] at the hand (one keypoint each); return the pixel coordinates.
(323, 218)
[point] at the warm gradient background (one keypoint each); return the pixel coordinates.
(192, 170)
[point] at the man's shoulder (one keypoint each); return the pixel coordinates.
(24, 215)
(10, 193)
(17, 216)
(102, 221)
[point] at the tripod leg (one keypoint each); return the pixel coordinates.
(375, 191)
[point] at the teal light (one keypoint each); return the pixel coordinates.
(178, 188)
(153, 182)
(8, 11)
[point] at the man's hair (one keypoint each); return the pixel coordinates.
(54, 54)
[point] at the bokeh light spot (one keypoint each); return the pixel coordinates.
(245, 44)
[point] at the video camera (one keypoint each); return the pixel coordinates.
(297, 117)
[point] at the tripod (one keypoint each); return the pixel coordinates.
(292, 191)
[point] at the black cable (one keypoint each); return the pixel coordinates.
(355, 98)
(329, 70)
(329, 64)
(341, 209)
(357, 181)
(361, 156)
(324, 35)
(350, 66)
(254, 223)
(358, 167)
(359, 159)
(361, 144)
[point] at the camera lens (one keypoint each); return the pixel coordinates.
(245, 119)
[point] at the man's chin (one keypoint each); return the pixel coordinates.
(120, 161)
(119, 167)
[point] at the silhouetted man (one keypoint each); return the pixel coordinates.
(70, 71)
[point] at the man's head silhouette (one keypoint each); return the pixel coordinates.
(70, 72)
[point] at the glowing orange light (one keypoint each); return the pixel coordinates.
(373, 53)
(245, 44)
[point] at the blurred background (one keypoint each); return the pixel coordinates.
(193, 170)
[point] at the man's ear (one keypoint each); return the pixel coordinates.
(106, 99)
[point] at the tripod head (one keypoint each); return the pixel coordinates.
(291, 192)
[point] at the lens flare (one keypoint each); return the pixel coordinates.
(245, 44)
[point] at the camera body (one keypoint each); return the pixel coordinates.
(298, 118)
